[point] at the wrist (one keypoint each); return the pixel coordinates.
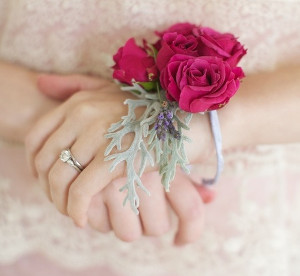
(201, 146)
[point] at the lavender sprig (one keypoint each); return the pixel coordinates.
(164, 123)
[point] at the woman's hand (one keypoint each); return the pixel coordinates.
(106, 212)
(80, 124)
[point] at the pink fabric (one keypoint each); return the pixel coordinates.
(39, 265)
(251, 229)
(231, 223)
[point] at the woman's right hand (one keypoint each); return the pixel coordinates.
(185, 199)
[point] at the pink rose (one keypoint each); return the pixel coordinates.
(180, 28)
(213, 43)
(200, 83)
(174, 43)
(133, 62)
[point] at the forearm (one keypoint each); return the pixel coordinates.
(21, 103)
(264, 111)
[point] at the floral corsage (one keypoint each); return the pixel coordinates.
(190, 69)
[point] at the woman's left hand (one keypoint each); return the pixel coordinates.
(80, 124)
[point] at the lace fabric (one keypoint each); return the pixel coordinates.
(252, 228)
(64, 36)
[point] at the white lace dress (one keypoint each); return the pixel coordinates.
(253, 228)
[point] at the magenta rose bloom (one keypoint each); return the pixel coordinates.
(174, 43)
(225, 46)
(200, 84)
(133, 62)
(184, 29)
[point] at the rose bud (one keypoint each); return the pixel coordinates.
(133, 62)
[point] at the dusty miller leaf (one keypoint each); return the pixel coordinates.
(140, 128)
(169, 153)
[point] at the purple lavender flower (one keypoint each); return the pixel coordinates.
(160, 116)
(169, 114)
(164, 124)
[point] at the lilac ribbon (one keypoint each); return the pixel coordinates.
(216, 131)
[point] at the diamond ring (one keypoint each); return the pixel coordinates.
(67, 157)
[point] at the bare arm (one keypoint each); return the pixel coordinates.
(21, 103)
(266, 110)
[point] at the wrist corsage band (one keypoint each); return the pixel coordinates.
(189, 70)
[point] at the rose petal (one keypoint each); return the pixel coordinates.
(163, 56)
(214, 46)
(130, 48)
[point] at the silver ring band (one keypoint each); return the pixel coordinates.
(67, 157)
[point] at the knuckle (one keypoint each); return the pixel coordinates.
(129, 236)
(84, 110)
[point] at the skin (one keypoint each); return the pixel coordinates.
(51, 124)
(261, 115)
(80, 121)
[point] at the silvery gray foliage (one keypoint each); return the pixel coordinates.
(171, 152)
(168, 153)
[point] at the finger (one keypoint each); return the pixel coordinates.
(82, 152)
(125, 223)
(98, 217)
(208, 194)
(39, 134)
(61, 87)
(61, 176)
(188, 206)
(50, 122)
(153, 209)
(44, 160)
(91, 181)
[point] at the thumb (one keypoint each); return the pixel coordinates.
(60, 87)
